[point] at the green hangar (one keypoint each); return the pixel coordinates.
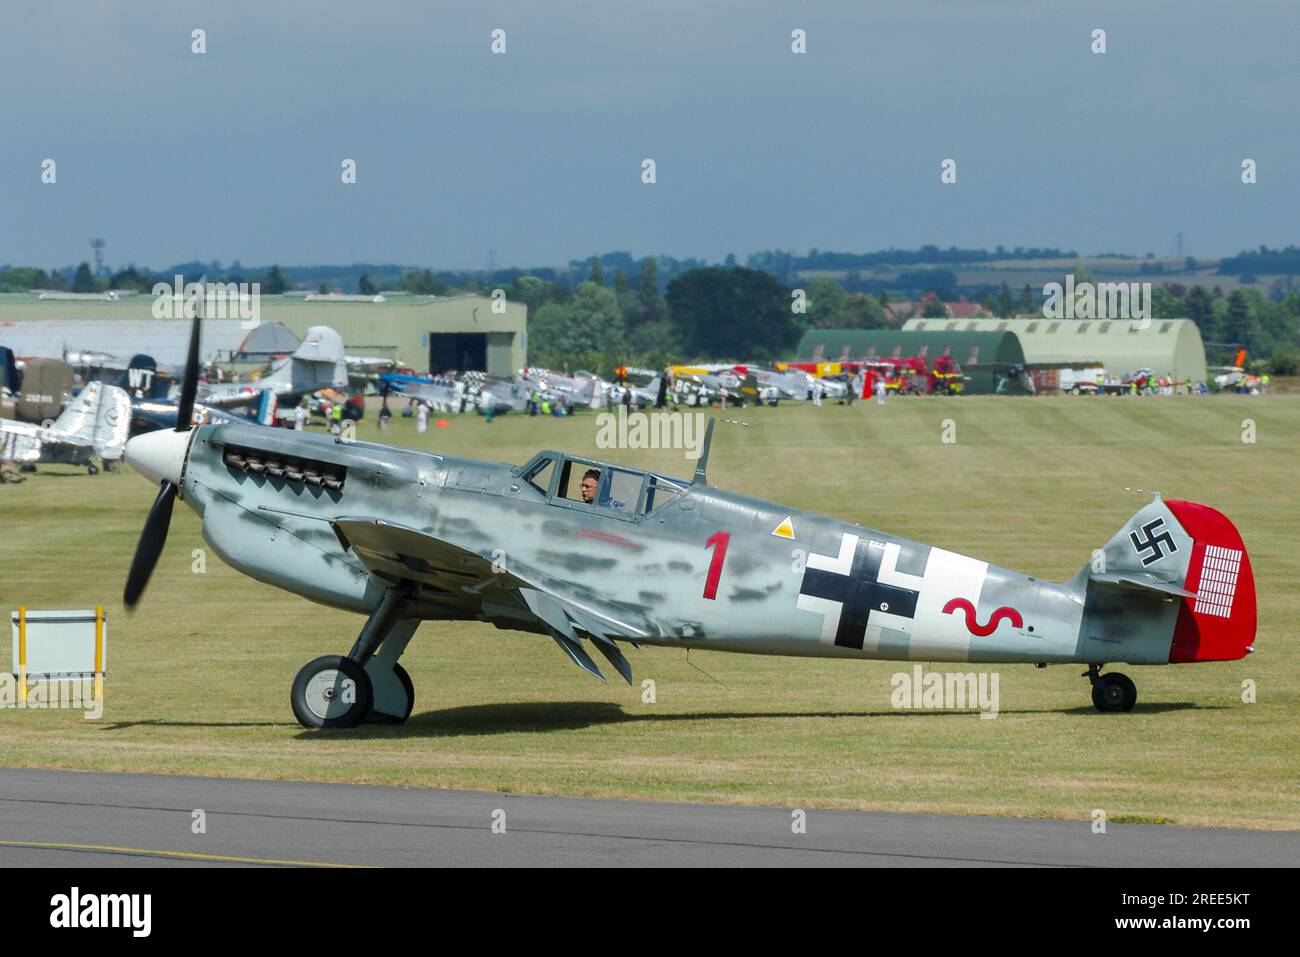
(967, 347)
(1121, 346)
(468, 332)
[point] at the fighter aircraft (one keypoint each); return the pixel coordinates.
(442, 395)
(583, 390)
(774, 385)
(595, 554)
(497, 395)
(317, 363)
(625, 390)
(140, 376)
(150, 414)
(95, 423)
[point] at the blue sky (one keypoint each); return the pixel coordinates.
(536, 154)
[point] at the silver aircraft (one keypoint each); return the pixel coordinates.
(583, 390)
(599, 556)
(95, 423)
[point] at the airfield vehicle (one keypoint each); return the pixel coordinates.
(946, 378)
(594, 554)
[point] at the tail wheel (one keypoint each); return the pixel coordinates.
(1114, 692)
(331, 692)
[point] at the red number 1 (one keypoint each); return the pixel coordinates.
(715, 565)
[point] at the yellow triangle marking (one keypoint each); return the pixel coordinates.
(785, 529)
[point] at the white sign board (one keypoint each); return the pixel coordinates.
(59, 642)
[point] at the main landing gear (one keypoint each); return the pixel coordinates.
(342, 691)
(1112, 691)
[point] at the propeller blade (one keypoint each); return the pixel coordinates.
(152, 538)
(190, 384)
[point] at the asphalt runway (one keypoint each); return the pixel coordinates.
(88, 819)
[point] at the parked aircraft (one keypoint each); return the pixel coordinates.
(317, 363)
(96, 423)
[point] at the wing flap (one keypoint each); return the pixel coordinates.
(577, 654)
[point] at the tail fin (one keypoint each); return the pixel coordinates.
(1219, 623)
(79, 415)
(140, 379)
(318, 362)
(1180, 552)
(99, 417)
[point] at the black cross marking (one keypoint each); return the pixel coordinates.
(1152, 541)
(859, 594)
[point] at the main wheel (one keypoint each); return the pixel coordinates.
(1114, 692)
(331, 692)
(409, 687)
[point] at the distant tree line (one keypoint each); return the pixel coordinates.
(614, 309)
(1282, 262)
(779, 262)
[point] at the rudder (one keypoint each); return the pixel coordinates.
(1219, 623)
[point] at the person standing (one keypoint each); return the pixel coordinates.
(421, 417)
(880, 390)
(817, 393)
(300, 416)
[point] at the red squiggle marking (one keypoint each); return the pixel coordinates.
(973, 623)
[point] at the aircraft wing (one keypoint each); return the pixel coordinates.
(397, 553)
(423, 389)
(230, 396)
(19, 441)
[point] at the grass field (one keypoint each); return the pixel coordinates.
(199, 676)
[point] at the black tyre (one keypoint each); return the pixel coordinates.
(409, 687)
(1114, 692)
(331, 692)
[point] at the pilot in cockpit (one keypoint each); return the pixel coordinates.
(590, 481)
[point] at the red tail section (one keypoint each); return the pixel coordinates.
(1219, 623)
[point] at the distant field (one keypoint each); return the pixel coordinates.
(199, 677)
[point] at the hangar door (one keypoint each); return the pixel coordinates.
(461, 351)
